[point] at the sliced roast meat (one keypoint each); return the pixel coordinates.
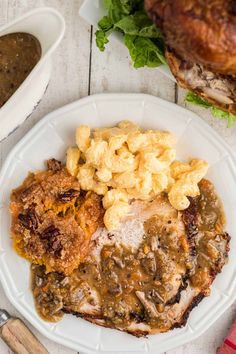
(217, 89)
(148, 277)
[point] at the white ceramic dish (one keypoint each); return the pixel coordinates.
(93, 10)
(50, 138)
(48, 26)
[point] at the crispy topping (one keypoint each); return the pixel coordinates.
(50, 232)
(29, 219)
(56, 247)
(54, 165)
(68, 195)
(27, 191)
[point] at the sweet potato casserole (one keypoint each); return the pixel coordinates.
(52, 222)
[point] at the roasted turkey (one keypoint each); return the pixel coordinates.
(200, 31)
(200, 38)
(217, 89)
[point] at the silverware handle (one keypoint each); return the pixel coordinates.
(20, 339)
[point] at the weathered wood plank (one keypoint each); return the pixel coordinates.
(112, 71)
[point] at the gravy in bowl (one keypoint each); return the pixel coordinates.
(19, 53)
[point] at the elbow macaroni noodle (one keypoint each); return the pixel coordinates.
(125, 162)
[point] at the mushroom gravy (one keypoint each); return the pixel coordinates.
(19, 53)
(156, 284)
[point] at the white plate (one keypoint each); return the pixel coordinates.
(93, 10)
(50, 138)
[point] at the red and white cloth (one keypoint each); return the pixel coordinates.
(229, 345)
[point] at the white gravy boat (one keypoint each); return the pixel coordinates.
(48, 26)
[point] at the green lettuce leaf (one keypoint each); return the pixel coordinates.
(196, 100)
(216, 112)
(117, 9)
(138, 25)
(144, 52)
(101, 40)
(105, 24)
(142, 38)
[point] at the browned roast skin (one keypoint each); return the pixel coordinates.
(200, 31)
(217, 89)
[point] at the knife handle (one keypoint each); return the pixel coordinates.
(20, 339)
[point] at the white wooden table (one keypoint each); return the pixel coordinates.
(79, 70)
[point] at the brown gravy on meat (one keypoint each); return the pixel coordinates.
(19, 53)
(140, 285)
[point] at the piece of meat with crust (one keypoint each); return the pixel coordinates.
(217, 89)
(170, 259)
(52, 223)
(176, 314)
(202, 32)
